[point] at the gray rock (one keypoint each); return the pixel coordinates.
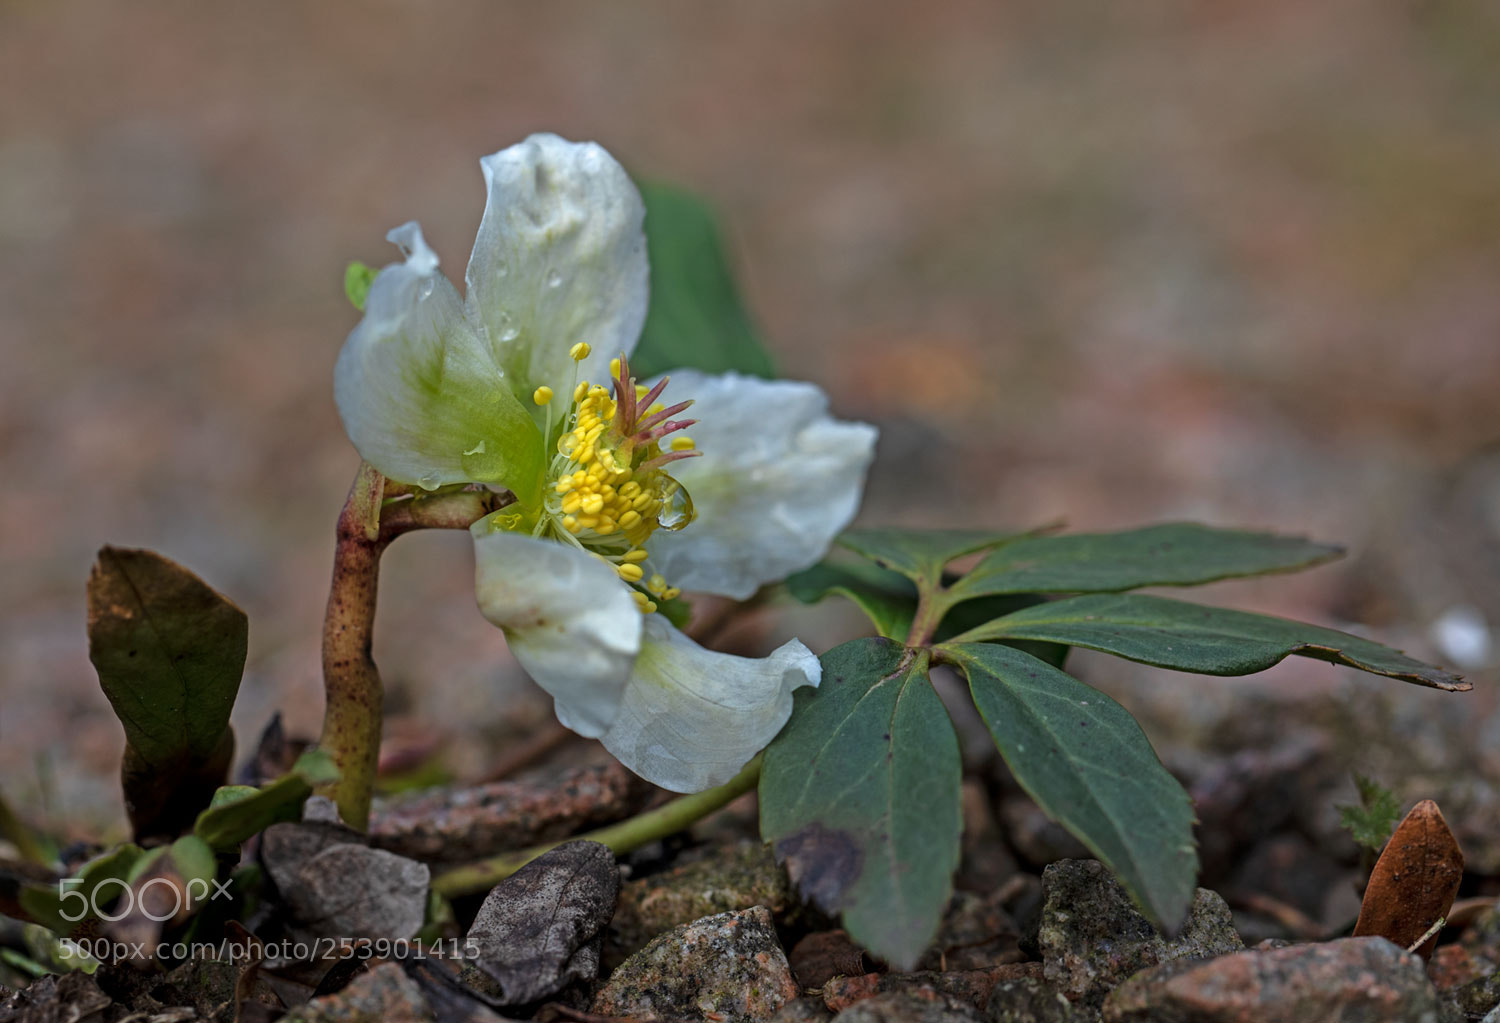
(1368, 980)
(909, 1007)
(1477, 997)
(1092, 937)
(1030, 1000)
(729, 968)
(336, 888)
(727, 878)
(385, 993)
(803, 1009)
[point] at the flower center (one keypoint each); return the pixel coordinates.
(607, 489)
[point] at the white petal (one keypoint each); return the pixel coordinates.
(691, 718)
(560, 258)
(419, 392)
(778, 479)
(568, 618)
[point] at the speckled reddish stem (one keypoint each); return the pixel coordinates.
(351, 682)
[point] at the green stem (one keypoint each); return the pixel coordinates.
(351, 682)
(931, 607)
(667, 819)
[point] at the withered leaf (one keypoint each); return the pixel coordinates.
(1414, 881)
(539, 929)
(169, 651)
(823, 955)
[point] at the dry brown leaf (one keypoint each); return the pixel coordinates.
(1414, 881)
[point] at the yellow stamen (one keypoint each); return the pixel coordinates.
(580, 351)
(629, 572)
(682, 444)
(542, 395)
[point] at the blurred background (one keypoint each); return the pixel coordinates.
(1237, 262)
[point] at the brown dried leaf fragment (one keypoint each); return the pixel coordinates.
(539, 930)
(1414, 881)
(823, 955)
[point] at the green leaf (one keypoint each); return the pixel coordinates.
(1179, 554)
(920, 554)
(860, 794)
(1207, 640)
(58, 906)
(169, 652)
(194, 858)
(238, 811)
(973, 613)
(1087, 763)
(888, 599)
(696, 319)
(358, 277)
(1371, 821)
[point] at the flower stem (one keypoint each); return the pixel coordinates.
(351, 682)
(667, 819)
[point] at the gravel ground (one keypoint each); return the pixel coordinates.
(1234, 263)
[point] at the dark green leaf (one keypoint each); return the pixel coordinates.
(238, 811)
(860, 794)
(64, 905)
(169, 652)
(1371, 821)
(696, 319)
(1087, 763)
(162, 798)
(1179, 554)
(973, 613)
(1206, 640)
(890, 600)
(920, 554)
(358, 278)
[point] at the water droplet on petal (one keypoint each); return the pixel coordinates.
(424, 290)
(676, 508)
(429, 481)
(508, 329)
(554, 279)
(502, 269)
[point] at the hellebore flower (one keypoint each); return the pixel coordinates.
(524, 383)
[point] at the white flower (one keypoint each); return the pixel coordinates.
(616, 509)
